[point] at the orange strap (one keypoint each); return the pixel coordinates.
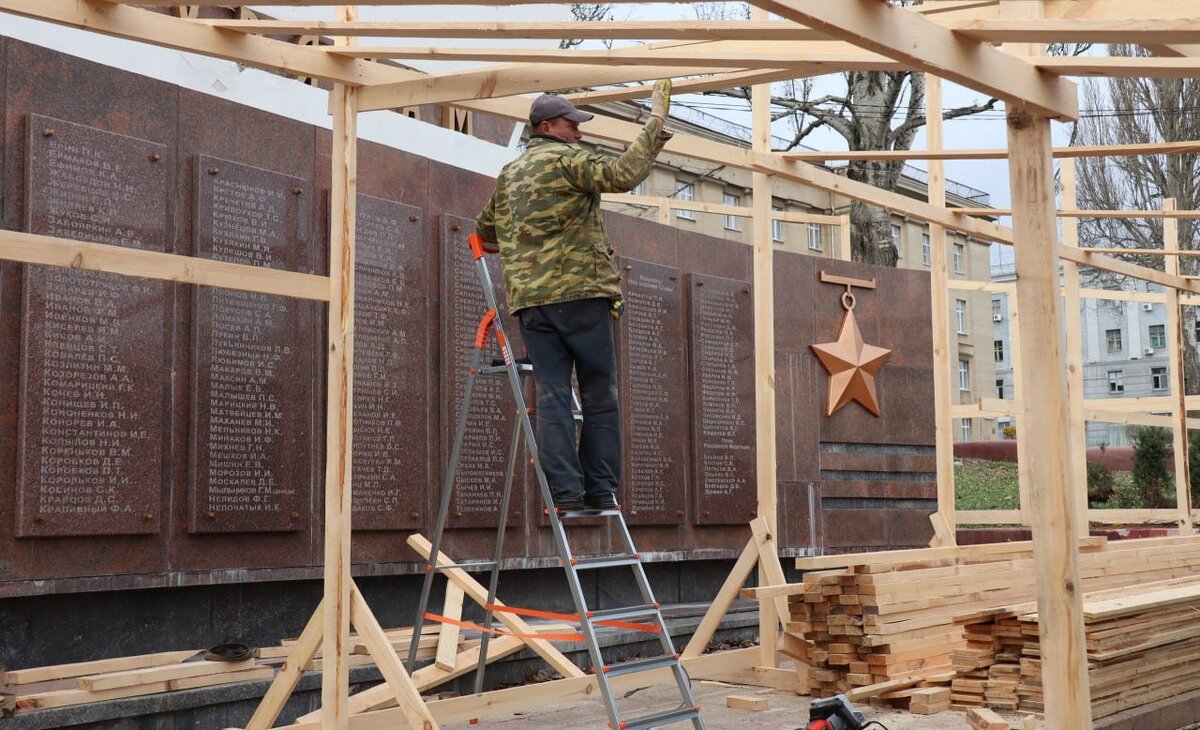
(573, 618)
(497, 632)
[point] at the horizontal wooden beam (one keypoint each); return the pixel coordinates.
(1058, 30)
(712, 82)
(30, 248)
(732, 30)
(922, 45)
(812, 63)
(1108, 263)
(647, 201)
(1072, 213)
(1123, 67)
(119, 21)
(1106, 150)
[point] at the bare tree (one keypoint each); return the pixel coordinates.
(1141, 111)
(588, 12)
(876, 111)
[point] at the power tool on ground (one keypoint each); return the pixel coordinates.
(834, 713)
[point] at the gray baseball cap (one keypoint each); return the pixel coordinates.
(549, 106)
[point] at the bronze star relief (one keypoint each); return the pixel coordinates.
(852, 366)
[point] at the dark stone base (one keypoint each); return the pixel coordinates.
(214, 708)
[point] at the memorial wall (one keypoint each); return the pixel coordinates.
(155, 434)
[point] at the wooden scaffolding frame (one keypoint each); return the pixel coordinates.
(953, 40)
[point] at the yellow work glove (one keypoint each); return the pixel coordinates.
(660, 100)
(616, 308)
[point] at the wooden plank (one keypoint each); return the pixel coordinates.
(766, 524)
(478, 593)
(740, 210)
(447, 643)
(845, 250)
(399, 683)
(339, 411)
(289, 674)
(775, 30)
(922, 45)
(1076, 427)
(1007, 30)
(723, 600)
(120, 21)
(99, 666)
(998, 550)
(1043, 443)
(939, 297)
(931, 153)
(1108, 263)
(31, 248)
(1175, 345)
(1122, 67)
(153, 675)
(747, 702)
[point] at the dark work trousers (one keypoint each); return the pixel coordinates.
(560, 337)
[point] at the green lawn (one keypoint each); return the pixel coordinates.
(980, 484)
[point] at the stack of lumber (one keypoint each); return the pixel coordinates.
(109, 679)
(883, 617)
(1141, 647)
(61, 685)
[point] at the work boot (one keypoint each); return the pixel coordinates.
(608, 500)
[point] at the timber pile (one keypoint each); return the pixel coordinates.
(885, 618)
(62, 685)
(1141, 646)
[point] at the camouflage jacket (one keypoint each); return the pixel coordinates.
(545, 215)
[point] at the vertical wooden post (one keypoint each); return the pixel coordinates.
(1043, 445)
(335, 679)
(664, 211)
(844, 249)
(764, 349)
(1183, 495)
(939, 298)
(1016, 9)
(1076, 426)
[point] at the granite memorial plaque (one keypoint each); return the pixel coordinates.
(92, 355)
(391, 370)
(483, 459)
(653, 408)
(252, 368)
(721, 328)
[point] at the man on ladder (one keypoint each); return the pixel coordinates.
(545, 220)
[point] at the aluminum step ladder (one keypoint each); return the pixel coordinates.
(648, 612)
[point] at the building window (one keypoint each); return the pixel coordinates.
(777, 227)
(1117, 435)
(896, 236)
(733, 222)
(966, 429)
(1116, 381)
(925, 248)
(964, 375)
(685, 191)
(960, 315)
(1158, 336)
(814, 236)
(958, 258)
(1000, 388)
(997, 310)
(1158, 378)
(1114, 340)
(998, 350)
(639, 189)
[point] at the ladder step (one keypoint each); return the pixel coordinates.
(605, 561)
(502, 369)
(624, 613)
(670, 717)
(579, 514)
(640, 665)
(468, 566)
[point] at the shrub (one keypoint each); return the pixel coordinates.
(1194, 463)
(1100, 484)
(1152, 475)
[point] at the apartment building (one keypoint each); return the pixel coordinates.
(688, 179)
(1124, 352)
